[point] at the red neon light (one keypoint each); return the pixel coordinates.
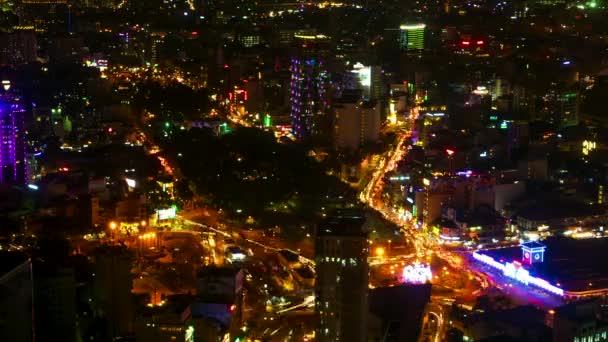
(466, 42)
(245, 95)
(449, 151)
(480, 42)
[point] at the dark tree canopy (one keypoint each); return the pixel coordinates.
(247, 169)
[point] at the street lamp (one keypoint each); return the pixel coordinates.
(450, 153)
(380, 251)
(113, 226)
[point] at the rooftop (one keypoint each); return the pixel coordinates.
(344, 222)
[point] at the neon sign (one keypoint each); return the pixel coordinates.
(515, 271)
(417, 273)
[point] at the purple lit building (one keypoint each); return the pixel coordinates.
(308, 94)
(12, 142)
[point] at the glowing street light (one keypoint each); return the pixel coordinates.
(380, 251)
(113, 225)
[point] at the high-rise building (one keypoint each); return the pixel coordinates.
(12, 141)
(411, 37)
(16, 297)
(55, 302)
(342, 277)
(44, 14)
(308, 86)
(19, 46)
(569, 109)
(112, 290)
(308, 94)
(357, 123)
(369, 80)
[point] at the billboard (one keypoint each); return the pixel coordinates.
(165, 214)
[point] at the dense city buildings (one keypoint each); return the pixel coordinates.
(189, 170)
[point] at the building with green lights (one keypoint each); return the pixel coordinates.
(411, 37)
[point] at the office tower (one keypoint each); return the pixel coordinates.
(308, 86)
(411, 37)
(12, 141)
(569, 109)
(369, 80)
(19, 46)
(16, 297)
(342, 277)
(357, 123)
(43, 15)
(112, 290)
(308, 94)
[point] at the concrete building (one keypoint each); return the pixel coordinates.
(55, 303)
(19, 46)
(342, 278)
(581, 321)
(112, 290)
(357, 124)
(16, 297)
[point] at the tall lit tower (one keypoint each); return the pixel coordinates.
(411, 37)
(308, 87)
(12, 141)
(308, 91)
(342, 278)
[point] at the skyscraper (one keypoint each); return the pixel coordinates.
(411, 37)
(308, 91)
(16, 297)
(308, 86)
(342, 278)
(112, 290)
(12, 141)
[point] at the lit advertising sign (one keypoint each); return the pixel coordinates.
(518, 273)
(417, 273)
(165, 214)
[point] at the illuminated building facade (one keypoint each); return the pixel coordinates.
(12, 142)
(569, 109)
(342, 278)
(308, 94)
(411, 37)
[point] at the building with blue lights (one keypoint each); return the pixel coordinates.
(307, 94)
(572, 269)
(12, 142)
